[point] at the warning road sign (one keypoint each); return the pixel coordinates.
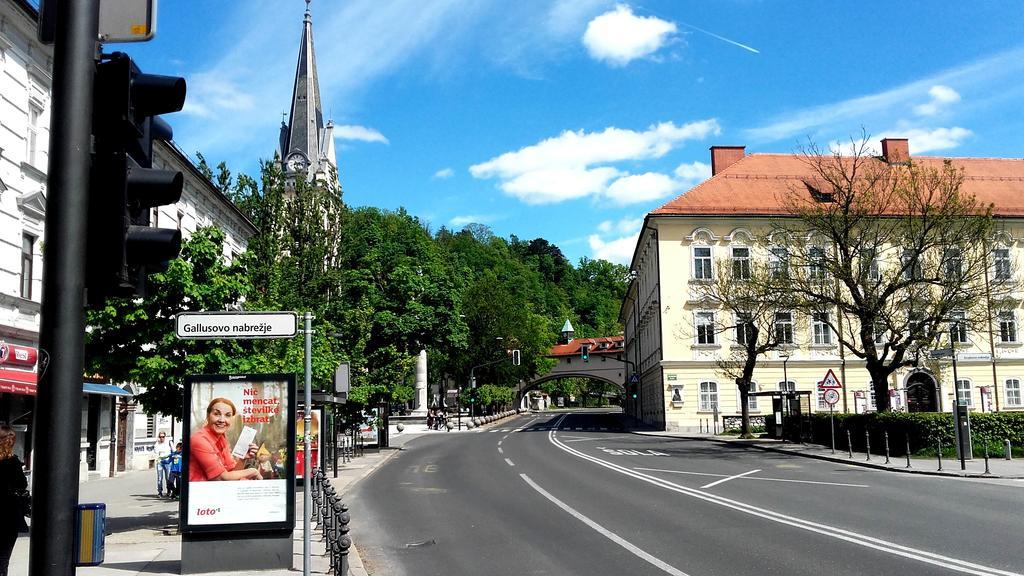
(830, 381)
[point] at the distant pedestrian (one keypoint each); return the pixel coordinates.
(12, 483)
(174, 478)
(162, 449)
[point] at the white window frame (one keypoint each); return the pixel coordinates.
(1008, 327)
(963, 391)
(707, 396)
(816, 258)
(32, 139)
(1012, 389)
(742, 333)
(872, 402)
(952, 263)
(740, 264)
(703, 266)
(874, 272)
(786, 386)
(821, 329)
(751, 400)
(958, 330)
(822, 405)
(778, 325)
(704, 328)
(778, 261)
(878, 333)
(1002, 269)
(914, 271)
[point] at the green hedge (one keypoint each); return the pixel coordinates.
(923, 429)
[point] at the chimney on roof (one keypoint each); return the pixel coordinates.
(895, 150)
(724, 156)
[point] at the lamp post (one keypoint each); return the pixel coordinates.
(785, 387)
(961, 420)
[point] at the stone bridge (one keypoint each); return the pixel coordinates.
(604, 362)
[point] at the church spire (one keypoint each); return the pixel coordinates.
(303, 146)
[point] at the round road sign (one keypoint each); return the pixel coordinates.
(831, 396)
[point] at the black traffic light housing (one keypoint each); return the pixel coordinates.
(122, 247)
(585, 352)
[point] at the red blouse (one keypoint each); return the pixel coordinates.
(209, 455)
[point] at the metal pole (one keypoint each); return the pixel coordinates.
(956, 408)
(56, 425)
(307, 442)
(832, 425)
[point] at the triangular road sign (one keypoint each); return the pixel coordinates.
(634, 379)
(830, 381)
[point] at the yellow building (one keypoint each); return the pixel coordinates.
(728, 217)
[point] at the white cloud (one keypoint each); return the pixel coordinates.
(624, 226)
(940, 96)
(637, 188)
(361, 133)
(690, 175)
(210, 96)
(569, 165)
(462, 220)
(619, 250)
(619, 36)
(926, 140)
(444, 173)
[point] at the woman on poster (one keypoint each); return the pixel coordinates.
(210, 457)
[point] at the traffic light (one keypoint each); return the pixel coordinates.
(122, 247)
(585, 352)
(633, 389)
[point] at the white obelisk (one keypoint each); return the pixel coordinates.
(421, 385)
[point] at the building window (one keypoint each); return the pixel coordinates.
(778, 262)
(752, 400)
(1013, 392)
(878, 333)
(816, 263)
(705, 322)
(822, 405)
(744, 328)
(957, 327)
(702, 262)
(741, 263)
(784, 327)
(32, 144)
(911, 262)
(872, 401)
(963, 390)
(1001, 264)
(952, 263)
(1007, 326)
(822, 332)
(869, 260)
(28, 242)
(787, 386)
(708, 397)
(915, 325)
(150, 426)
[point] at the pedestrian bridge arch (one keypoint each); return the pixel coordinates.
(604, 361)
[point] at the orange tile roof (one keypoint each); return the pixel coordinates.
(601, 345)
(754, 185)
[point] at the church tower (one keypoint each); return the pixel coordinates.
(306, 148)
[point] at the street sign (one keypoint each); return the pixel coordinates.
(973, 356)
(831, 396)
(634, 379)
(235, 325)
(453, 392)
(341, 381)
(940, 353)
(830, 381)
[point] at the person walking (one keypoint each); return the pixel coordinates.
(163, 449)
(12, 483)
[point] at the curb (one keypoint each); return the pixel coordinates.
(861, 463)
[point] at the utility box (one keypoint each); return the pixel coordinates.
(90, 529)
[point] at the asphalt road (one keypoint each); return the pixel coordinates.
(572, 493)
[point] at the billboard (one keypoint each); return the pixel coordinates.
(239, 446)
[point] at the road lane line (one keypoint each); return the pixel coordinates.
(630, 547)
(500, 451)
(509, 462)
(717, 482)
(815, 527)
(756, 478)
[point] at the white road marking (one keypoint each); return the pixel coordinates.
(630, 547)
(500, 451)
(816, 527)
(500, 441)
(755, 478)
(717, 482)
(509, 462)
(581, 439)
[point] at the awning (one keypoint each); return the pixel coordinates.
(24, 382)
(108, 389)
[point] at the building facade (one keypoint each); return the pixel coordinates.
(111, 431)
(670, 329)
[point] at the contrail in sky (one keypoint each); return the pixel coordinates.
(723, 39)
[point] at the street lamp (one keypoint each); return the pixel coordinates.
(961, 419)
(784, 354)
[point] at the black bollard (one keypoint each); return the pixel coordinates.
(986, 459)
(885, 435)
(940, 455)
(1008, 452)
(908, 449)
(849, 443)
(867, 444)
(342, 540)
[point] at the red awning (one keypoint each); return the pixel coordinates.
(17, 381)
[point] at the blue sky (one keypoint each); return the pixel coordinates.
(570, 120)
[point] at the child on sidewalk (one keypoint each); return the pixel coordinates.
(174, 478)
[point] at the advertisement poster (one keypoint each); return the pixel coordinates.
(314, 439)
(238, 467)
(368, 429)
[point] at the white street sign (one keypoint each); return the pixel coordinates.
(830, 381)
(973, 356)
(831, 396)
(235, 325)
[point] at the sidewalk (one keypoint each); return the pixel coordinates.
(142, 533)
(998, 468)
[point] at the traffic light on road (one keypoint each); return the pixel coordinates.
(122, 246)
(585, 352)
